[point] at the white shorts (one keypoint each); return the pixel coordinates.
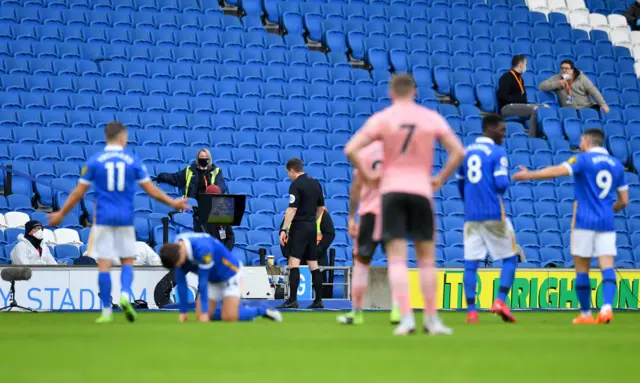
(112, 242)
(590, 243)
(229, 288)
(494, 237)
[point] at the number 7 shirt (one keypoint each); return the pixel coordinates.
(597, 176)
(408, 133)
(114, 174)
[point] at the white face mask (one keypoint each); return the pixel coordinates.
(566, 76)
(38, 234)
(524, 69)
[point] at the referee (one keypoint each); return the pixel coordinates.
(306, 204)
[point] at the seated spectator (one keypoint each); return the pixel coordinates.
(633, 16)
(512, 95)
(144, 256)
(195, 178)
(30, 250)
(574, 89)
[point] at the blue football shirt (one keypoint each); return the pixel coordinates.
(597, 176)
(209, 259)
(485, 177)
(114, 174)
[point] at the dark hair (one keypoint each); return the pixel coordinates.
(571, 64)
(295, 164)
(491, 120)
(169, 255)
(114, 129)
(595, 135)
(516, 60)
(402, 84)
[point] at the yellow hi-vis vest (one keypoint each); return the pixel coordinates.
(318, 231)
(214, 174)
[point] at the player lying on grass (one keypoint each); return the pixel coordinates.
(598, 176)
(219, 276)
(482, 179)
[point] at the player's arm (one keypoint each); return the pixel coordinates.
(549, 172)
(501, 173)
(203, 289)
(460, 178)
(354, 195)
(157, 194)
(183, 293)
(454, 147)
(623, 193)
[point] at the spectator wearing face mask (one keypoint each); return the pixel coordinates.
(195, 178)
(633, 16)
(30, 249)
(574, 89)
(512, 95)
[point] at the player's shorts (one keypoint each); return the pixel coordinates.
(591, 243)
(302, 243)
(366, 245)
(494, 237)
(406, 216)
(232, 287)
(112, 242)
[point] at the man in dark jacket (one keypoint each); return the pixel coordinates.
(512, 95)
(195, 178)
(326, 233)
(633, 16)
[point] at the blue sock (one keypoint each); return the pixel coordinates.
(583, 291)
(245, 313)
(507, 274)
(608, 286)
(469, 280)
(126, 278)
(104, 286)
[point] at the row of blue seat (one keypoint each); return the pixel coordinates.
(188, 105)
(127, 20)
(378, 11)
(296, 54)
(147, 37)
(205, 89)
(163, 70)
(164, 6)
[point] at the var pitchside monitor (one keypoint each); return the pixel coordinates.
(219, 209)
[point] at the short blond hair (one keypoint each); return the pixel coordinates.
(402, 85)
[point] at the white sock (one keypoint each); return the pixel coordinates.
(586, 313)
(606, 307)
(394, 303)
(409, 320)
(106, 311)
(125, 295)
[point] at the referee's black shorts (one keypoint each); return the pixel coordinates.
(407, 216)
(366, 244)
(302, 241)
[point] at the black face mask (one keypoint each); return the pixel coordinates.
(203, 162)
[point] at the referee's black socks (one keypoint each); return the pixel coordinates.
(316, 280)
(294, 281)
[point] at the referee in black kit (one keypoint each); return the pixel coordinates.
(306, 204)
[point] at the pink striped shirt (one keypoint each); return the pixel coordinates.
(408, 132)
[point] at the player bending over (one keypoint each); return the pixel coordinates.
(408, 133)
(482, 179)
(366, 234)
(219, 277)
(598, 176)
(114, 174)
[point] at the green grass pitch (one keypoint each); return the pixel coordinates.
(312, 347)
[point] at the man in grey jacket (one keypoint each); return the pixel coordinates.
(574, 89)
